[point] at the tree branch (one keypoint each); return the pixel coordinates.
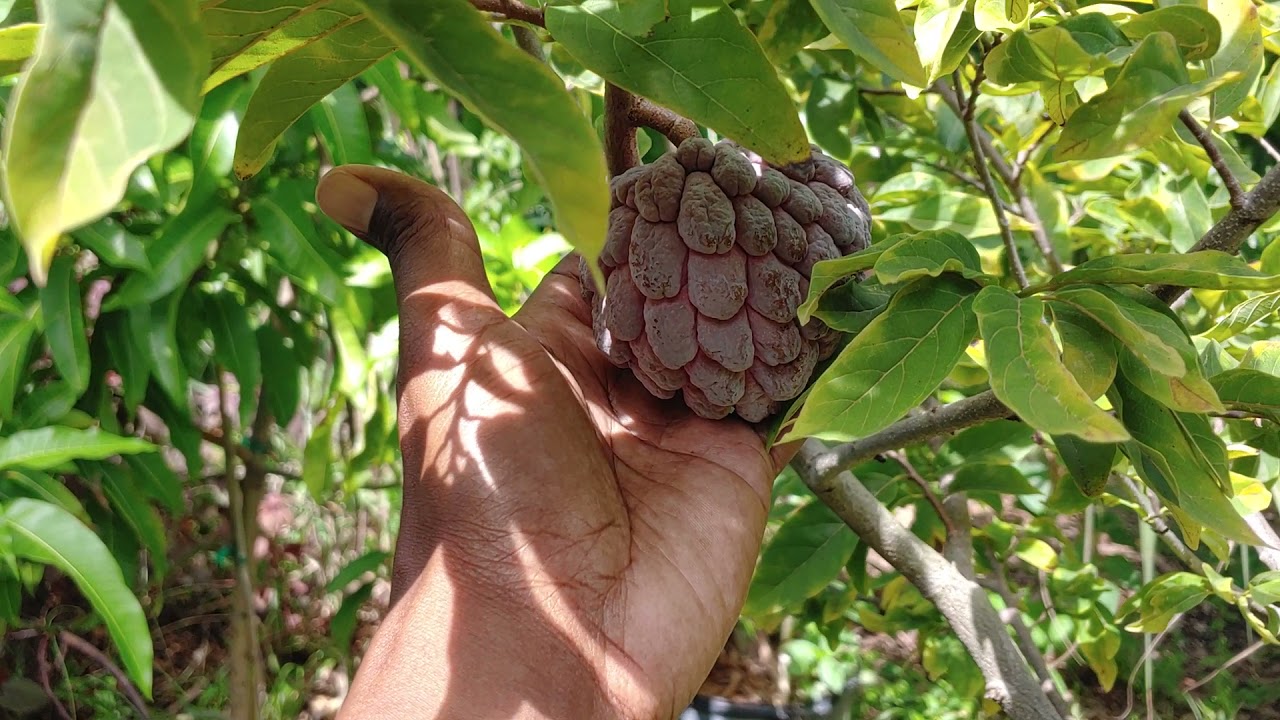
(1215, 157)
(676, 127)
(928, 493)
(79, 644)
(1229, 233)
(512, 10)
(962, 602)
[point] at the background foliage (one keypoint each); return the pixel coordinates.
(198, 453)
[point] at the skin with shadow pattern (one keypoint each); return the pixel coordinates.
(570, 546)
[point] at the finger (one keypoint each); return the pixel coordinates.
(428, 240)
(559, 293)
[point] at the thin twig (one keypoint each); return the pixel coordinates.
(1237, 658)
(676, 127)
(929, 495)
(1024, 155)
(1215, 157)
(984, 173)
(512, 10)
(1268, 148)
(43, 670)
(79, 644)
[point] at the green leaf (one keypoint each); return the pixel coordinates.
(236, 347)
(1179, 456)
(340, 119)
(850, 307)
(77, 129)
(1159, 601)
(1138, 107)
(1153, 347)
(936, 21)
(896, 362)
(875, 32)
(290, 236)
(999, 15)
(991, 477)
(247, 34)
(64, 323)
(174, 255)
(46, 533)
(1244, 316)
(1249, 390)
(212, 145)
(50, 447)
(1037, 553)
(1240, 52)
(1195, 29)
(157, 480)
(281, 386)
(1027, 374)
(158, 327)
(1264, 356)
(17, 45)
(929, 254)
(826, 273)
(679, 62)
(967, 214)
(829, 109)
(810, 548)
(298, 81)
(368, 562)
(788, 27)
(1088, 351)
(343, 624)
(316, 456)
(1190, 393)
(1053, 54)
(1089, 463)
(450, 41)
(1211, 269)
(138, 514)
(114, 246)
(41, 486)
(16, 332)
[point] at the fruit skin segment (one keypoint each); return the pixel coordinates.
(707, 259)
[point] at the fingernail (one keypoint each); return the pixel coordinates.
(347, 200)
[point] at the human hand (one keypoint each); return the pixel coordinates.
(570, 546)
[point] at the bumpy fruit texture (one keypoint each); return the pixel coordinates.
(708, 257)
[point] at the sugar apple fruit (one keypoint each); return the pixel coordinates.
(708, 256)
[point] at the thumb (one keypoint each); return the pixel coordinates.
(428, 240)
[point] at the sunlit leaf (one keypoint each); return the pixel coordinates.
(1212, 269)
(1195, 29)
(76, 130)
(1249, 390)
(46, 533)
(1244, 316)
(901, 357)
(17, 45)
(457, 47)
(340, 119)
(929, 254)
(247, 34)
(50, 447)
(1239, 52)
(936, 21)
(1027, 374)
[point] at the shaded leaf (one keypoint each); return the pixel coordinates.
(1027, 374)
(851, 306)
(41, 486)
(1138, 107)
(875, 32)
(281, 387)
(235, 347)
(455, 45)
(1160, 600)
(137, 512)
(1088, 351)
(174, 255)
(1212, 269)
(828, 272)
(679, 62)
(299, 80)
(75, 131)
(807, 552)
(46, 533)
(339, 118)
(247, 34)
(1249, 390)
(316, 465)
(16, 332)
(829, 109)
(1179, 456)
(114, 246)
(1089, 463)
(1195, 29)
(289, 235)
(897, 361)
(1152, 347)
(991, 477)
(788, 27)
(929, 254)
(368, 562)
(157, 480)
(64, 323)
